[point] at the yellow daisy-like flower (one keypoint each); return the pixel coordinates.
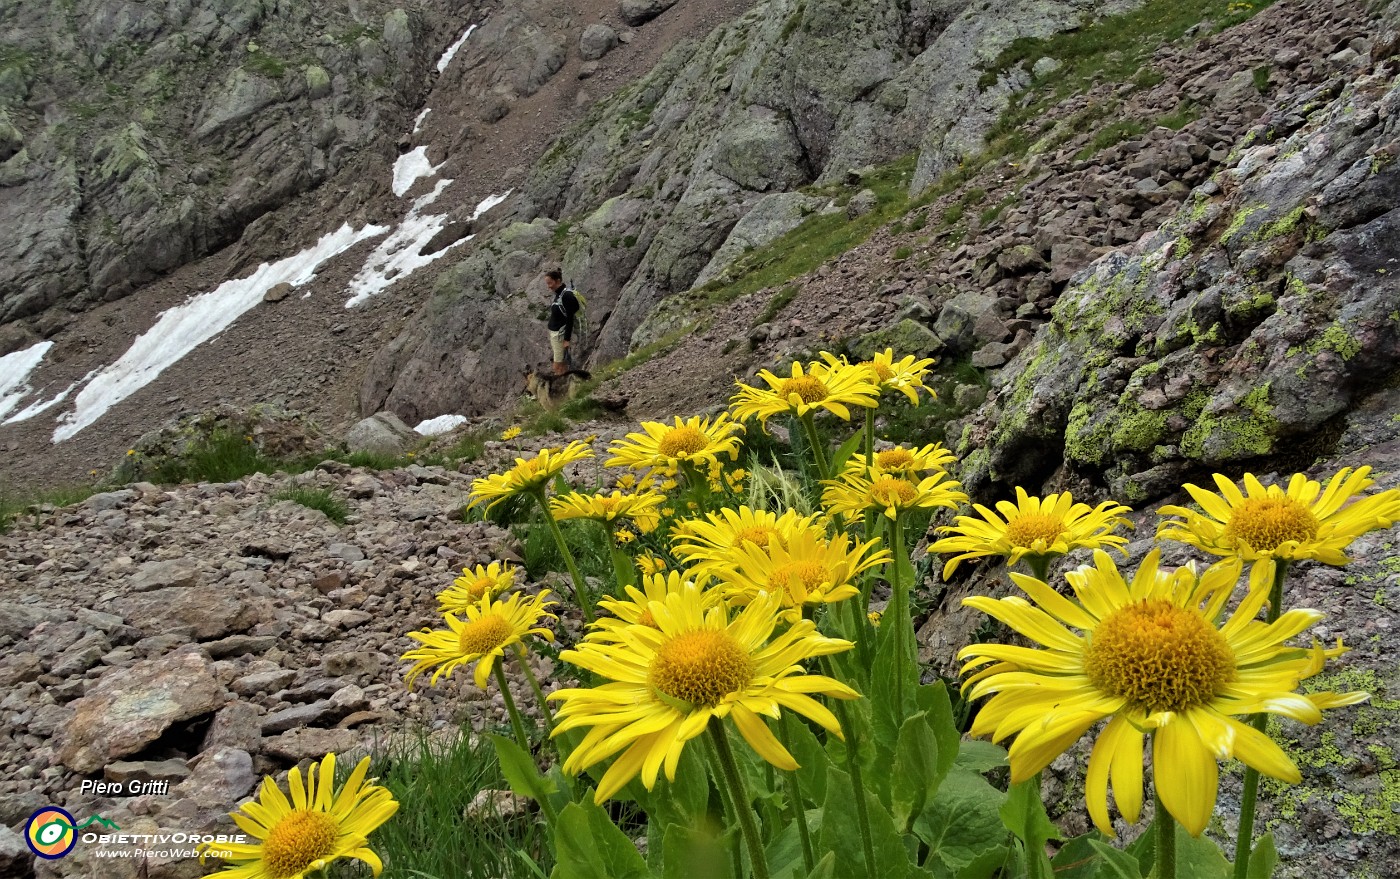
(474, 585)
(905, 375)
(624, 536)
(706, 544)
(648, 563)
(695, 441)
(1301, 521)
(641, 508)
(511, 432)
(1035, 527)
(667, 682)
(834, 387)
(635, 609)
(1151, 656)
(890, 493)
(906, 462)
(318, 826)
(491, 626)
(808, 570)
(528, 474)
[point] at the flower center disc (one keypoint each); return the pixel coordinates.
(682, 441)
(883, 372)
(1266, 522)
(892, 492)
(478, 588)
(484, 634)
(894, 459)
(1033, 530)
(1159, 657)
(701, 667)
(299, 839)
(800, 579)
(808, 388)
(757, 535)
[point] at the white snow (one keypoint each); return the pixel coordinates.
(447, 56)
(418, 122)
(409, 167)
(40, 406)
(15, 368)
(441, 424)
(398, 256)
(181, 329)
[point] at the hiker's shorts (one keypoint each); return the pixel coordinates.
(556, 344)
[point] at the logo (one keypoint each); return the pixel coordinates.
(51, 832)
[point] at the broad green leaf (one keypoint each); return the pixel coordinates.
(825, 869)
(933, 700)
(975, 755)
(589, 846)
(894, 676)
(690, 853)
(1023, 813)
(1116, 863)
(918, 770)
(1077, 859)
(520, 771)
(684, 801)
(1263, 859)
(812, 760)
(994, 863)
(623, 569)
(962, 822)
(844, 453)
(840, 833)
(1199, 858)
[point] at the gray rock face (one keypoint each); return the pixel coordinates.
(636, 12)
(597, 40)
(382, 434)
(206, 612)
(770, 218)
(120, 165)
(130, 708)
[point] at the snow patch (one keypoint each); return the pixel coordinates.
(398, 256)
(447, 56)
(15, 368)
(409, 167)
(181, 329)
(441, 424)
(41, 406)
(418, 122)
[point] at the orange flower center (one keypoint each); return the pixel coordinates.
(646, 619)
(682, 442)
(484, 634)
(1266, 522)
(1159, 657)
(1033, 530)
(890, 491)
(757, 535)
(297, 841)
(882, 371)
(894, 459)
(801, 579)
(701, 667)
(808, 388)
(479, 587)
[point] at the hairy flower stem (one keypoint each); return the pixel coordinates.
(1040, 566)
(516, 723)
(809, 427)
(1244, 839)
(848, 728)
(735, 782)
(794, 792)
(897, 614)
(545, 713)
(726, 802)
(1166, 842)
(585, 601)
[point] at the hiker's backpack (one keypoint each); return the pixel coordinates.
(581, 325)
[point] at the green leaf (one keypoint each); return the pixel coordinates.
(589, 846)
(894, 672)
(1117, 864)
(919, 768)
(1263, 859)
(840, 833)
(684, 801)
(1199, 858)
(844, 453)
(520, 771)
(962, 822)
(813, 764)
(1023, 813)
(1077, 858)
(825, 868)
(994, 863)
(623, 569)
(975, 755)
(689, 853)
(934, 701)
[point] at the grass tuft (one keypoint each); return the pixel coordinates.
(316, 499)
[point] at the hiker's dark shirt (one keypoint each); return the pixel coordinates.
(562, 311)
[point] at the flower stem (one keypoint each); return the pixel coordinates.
(516, 723)
(848, 728)
(726, 802)
(794, 791)
(1244, 838)
(869, 441)
(740, 796)
(1166, 842)
(897, 614)
(545, 713)
(809, 426)
(585, 601)
(1040, 566)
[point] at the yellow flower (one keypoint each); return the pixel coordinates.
(809, 569)
(528, 475)
(130, 452)
(874, 618)
(624, 536)
(853, 493)
(650, 564)
(316, 828)
(635, 609)
(1034, 527)
(511, 432)
(905, 375)
(1152, 656)
(474, 585)
(1300, 522)
(490, 628)
(705, 544)
(903, 461)
(695, 440)
(641, 508)
(833, 387)
(666, 683)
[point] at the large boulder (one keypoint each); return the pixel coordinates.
(772, 217)
(381, 434)
(597, 41)
(636, 12)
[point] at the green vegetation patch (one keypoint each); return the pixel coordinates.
(316, 499)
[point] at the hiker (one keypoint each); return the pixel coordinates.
(561, 318)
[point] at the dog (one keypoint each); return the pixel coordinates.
(551, 389)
